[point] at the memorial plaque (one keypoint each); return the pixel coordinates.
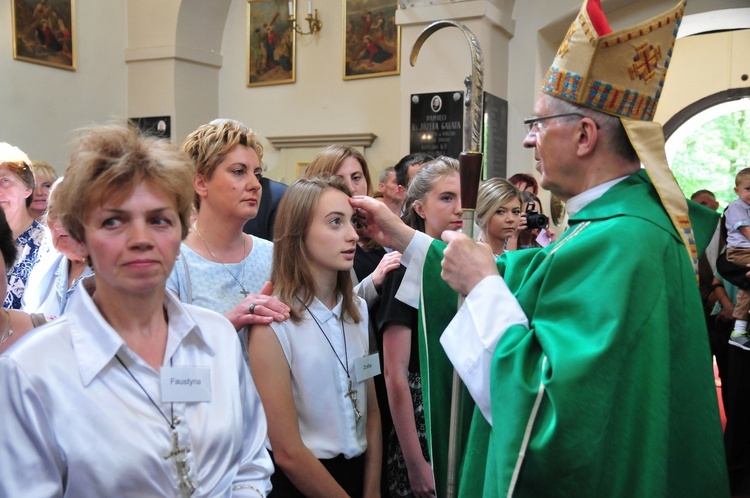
(495, 137)
(158, 126)
(437, 123)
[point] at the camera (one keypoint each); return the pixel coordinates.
(534, 219)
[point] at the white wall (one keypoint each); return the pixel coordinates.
(41, 105)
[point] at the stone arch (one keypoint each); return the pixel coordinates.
(174, 58)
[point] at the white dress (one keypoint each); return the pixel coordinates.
(76, 424)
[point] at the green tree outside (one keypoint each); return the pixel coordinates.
(711, 156)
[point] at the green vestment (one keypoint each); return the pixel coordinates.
(618, 341)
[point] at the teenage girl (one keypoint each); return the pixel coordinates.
(433, 205)
(323, 419)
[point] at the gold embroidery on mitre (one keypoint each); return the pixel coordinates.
(626, 82)
(565, 45)
(658, 25)
(617, 100)
(591, 35)
(645, 62)
(585, 26)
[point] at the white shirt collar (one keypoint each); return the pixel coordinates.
(321, 311)
(96, 343)
(580, 201)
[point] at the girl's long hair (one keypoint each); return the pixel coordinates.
(293, 282)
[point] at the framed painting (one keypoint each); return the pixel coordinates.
(270, 42)
(372, 41)
(302, 170)
(43, 32)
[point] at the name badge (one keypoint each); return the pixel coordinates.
(366, 367)
(185, 384)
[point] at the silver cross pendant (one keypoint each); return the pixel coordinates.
(187, 486)
(352, 395)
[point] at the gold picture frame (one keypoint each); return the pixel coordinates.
(372, 40)
(271, 43)
(302, 169)
(44, 32)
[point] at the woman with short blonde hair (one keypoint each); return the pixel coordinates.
(220, 267)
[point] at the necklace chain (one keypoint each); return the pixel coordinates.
(351, 393)
(345, 366)
(7, 332)
(172, 423)
(239, 281)
(187, 486)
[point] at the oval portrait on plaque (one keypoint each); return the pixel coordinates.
(436, 103)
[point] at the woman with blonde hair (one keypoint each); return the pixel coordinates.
(498, 213)
(220, 267)
(44, 176)
(131, 392)
(324, 424)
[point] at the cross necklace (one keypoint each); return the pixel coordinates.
(351, 393)
(187, 486)
(240, 280)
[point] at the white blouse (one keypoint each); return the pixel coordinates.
(319, 382)
(47, 291)
(75, 423)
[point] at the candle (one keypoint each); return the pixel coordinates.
(309, 7)
(291, 9)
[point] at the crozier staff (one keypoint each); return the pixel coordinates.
(137, 394)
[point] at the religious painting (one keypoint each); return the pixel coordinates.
(372, 41)
(43, 32)
(270, 42)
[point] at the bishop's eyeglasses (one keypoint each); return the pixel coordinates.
(532, 123)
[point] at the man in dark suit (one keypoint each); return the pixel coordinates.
(262, 224)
